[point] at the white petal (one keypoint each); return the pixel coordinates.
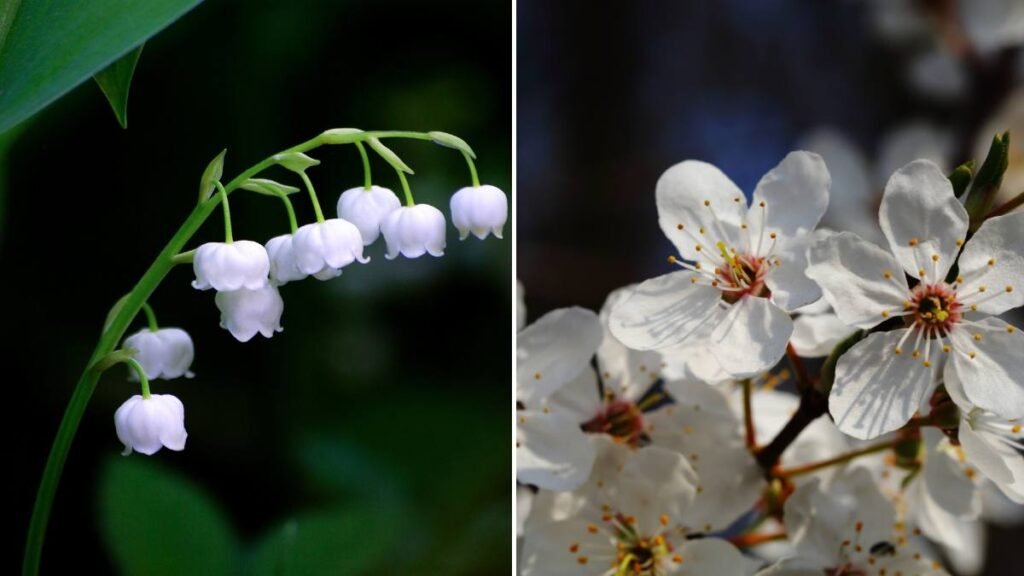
(479, 210)
(626, 372)
(714, 556)
(367, 208)
(992, 378)
(788, 281)
(655, 482)
(681, 194)
(815, 335)
(551, 451)
(752, 338)
(994, 259)
(946, 481)
(579, 399)
(554, 350)
(546, 549)
(794, 567)
(991, 461)
(922, 218)
(876, 390)
(246, 313)
(795, 194)
(663, 311)
(851, 273)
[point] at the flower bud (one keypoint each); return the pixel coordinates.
(324, 248)
(413, 231)
(367, 209)
(147, 424)
(245, 312)
(283, 269)
(480, 210)
(165, 353)
(230, 266)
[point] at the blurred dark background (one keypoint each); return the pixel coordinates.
(609, 98)
(385, 401)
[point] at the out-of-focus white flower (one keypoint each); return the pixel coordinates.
(165, 353)
(480, 210)
(520, 305)
(748, 263)
(938, 74)
(1009, 117)
(916, 140)
(633, 515)
(226, 266)
(888, 376)
(993, 24)
(815, 335)
(413, 231)
(246, 312)
(283, 268)
(147, 424)
(848, 527)
(367, 209)
(322, 249)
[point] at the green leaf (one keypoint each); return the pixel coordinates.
(452, 141)
(155, 522)
(49, 47)
(214, 170)
(340, 135)
(115, 80)
(388, 155)
(345, 540)
(268, 187)
(295, 161)
(989, 179)
(961, 177)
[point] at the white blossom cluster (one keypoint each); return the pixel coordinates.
(247, 276)
(651, 437)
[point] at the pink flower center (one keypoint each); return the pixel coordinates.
(934, 308)
(620, 419)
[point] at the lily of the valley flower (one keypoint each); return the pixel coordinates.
(226, 266)
(480, 210)
(165, 353)
(747, 267)
(283, 268)
(887, 377)
(322, 249)
(367, 209)
(147, 424)
(245, 313)
(413, 231)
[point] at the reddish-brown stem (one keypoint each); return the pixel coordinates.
(748, 415)
(803, 377)
(748, 540)
(1015, 202)
(812, 405)
(842, 458)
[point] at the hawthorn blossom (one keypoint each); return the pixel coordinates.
(884, 379)
(245, 313)
(631, 517)
(479, 210)
(146, 424)
(413, 231)
(366, 208)
(226, 266)
(164, 353)
(322, 249)
(747, 268)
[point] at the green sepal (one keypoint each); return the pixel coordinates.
(295, 161)
(828, 369)
(452, 141)
(268, 187)
(114, 358)
(115, 81)
(214, 170)
(114, 310)
(340, 135)
(961, 177)
(388, 155)
(986, 183)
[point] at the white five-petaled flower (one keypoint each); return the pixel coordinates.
(413, 231)
(230, 265)
(246, 312)
(480, 210)
(147, 424)
(283, 269)
(322, 249)
(165, 353)
(888, 376)
(367, 209)
(632, 517)
(747, 267)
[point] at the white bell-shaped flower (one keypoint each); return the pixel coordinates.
(283, 268)
(165, 353)
(480, 210)
(414, 231)
(367, 209)
(246, 312)
(147, 424)
(324, 248)
(227, 266)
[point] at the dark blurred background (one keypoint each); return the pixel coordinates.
(383, 403)
(609, 98)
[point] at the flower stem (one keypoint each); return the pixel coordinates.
(748, 414)
(223, 195)
(367, 177)
(840, 459)
(472, 170)
(405, 188)
(1015, 202)
(150, 316)
(312, 197)
(803, 378)
(141, 373)
(293, 224)
(812, 405)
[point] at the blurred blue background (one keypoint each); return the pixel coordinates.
(371, 436)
